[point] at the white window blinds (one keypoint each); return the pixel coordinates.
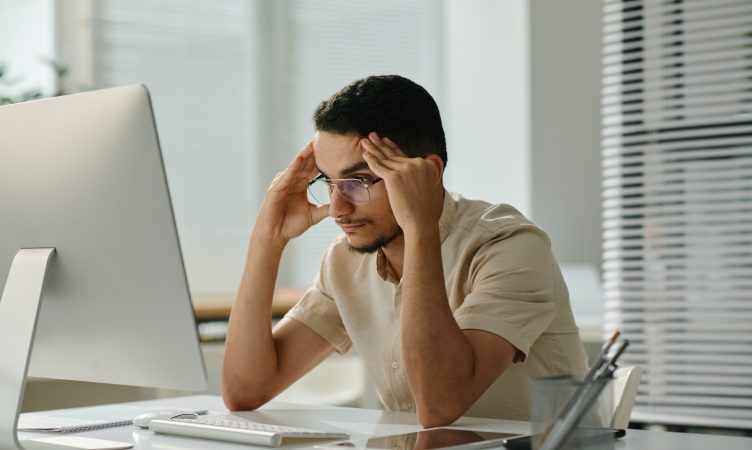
(197, 59)
(234, 85)
(319, 46)
(677, 198)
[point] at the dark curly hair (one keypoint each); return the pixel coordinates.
(390, 105)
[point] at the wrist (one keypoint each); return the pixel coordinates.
(261, 240)
(422, 234)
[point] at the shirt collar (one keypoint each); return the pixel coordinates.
(446, 223)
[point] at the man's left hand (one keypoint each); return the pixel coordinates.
(413, 184)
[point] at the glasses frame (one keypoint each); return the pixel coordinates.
(337, 182)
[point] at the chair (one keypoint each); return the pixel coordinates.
(625, 383)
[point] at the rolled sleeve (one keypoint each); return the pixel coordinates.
(318, 311)
(511, 292)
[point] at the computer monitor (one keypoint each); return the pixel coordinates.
(82, 185)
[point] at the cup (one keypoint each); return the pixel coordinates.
(550, 396)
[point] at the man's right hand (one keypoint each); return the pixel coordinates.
(286, 212)
(259, 362)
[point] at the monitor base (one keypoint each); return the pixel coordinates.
(19, 311)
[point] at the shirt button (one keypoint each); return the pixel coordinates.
(395, 365)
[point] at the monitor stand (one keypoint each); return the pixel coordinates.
(19, 310)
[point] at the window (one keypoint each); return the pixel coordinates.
(677, 176)
(234, 84)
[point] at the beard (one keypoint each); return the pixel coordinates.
(374, 246)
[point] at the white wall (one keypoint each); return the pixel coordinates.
(522, 113)
(26, 41)
(565, 46)
(486, 105)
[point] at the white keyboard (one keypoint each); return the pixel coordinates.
(233, 428)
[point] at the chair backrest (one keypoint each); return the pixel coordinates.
(625, 384)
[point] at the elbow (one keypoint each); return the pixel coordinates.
(236, 398)
(235, 402)
(431, 417)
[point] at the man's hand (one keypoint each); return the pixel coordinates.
(286, 212)
(413, 184)
(260, 363)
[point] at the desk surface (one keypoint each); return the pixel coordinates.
(360, 423)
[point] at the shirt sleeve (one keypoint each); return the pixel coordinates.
(318, 311)
(511, 289)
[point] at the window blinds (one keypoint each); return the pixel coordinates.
(234, 85)
(197, 59)
(677, 204)
(314, 48)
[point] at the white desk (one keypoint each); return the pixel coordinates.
(361, 423)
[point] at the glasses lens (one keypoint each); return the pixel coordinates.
(318, 192)
(355, 191)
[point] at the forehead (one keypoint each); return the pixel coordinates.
(334, 153)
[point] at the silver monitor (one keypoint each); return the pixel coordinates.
(86, 224)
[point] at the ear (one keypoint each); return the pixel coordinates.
(439, 163)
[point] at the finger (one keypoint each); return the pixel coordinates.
(309, 169)
(376, 165)
(379, 142)
(303, 155)
(372, 148)
(307, 157)
(393, 145)
(319, 213)
(393, 162)
(307, 150)
(301, 169)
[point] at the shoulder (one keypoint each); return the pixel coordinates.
(495, 222)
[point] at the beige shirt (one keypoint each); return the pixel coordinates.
(500, 277)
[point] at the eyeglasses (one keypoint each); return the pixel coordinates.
(355, 190)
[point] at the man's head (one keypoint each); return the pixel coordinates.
(393, 107)
(390, 105)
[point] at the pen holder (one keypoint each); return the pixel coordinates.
(549, 396)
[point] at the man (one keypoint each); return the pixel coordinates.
(453, 304)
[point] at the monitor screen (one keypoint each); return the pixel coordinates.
(83, 174)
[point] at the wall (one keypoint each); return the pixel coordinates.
(486, 107)
(522, 113)
(565, 44)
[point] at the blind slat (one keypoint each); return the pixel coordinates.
(677, 203)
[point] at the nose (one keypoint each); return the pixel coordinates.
(338, 204)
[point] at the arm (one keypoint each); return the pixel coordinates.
(260, 362)
(447, 368)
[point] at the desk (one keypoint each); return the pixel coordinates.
(361, 423)
(219, 307)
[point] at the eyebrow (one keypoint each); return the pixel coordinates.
(360, 165)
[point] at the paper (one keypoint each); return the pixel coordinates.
(77, 442)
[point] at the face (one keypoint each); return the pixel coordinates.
(369, 226)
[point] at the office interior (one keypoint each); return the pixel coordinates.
(522, 87)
